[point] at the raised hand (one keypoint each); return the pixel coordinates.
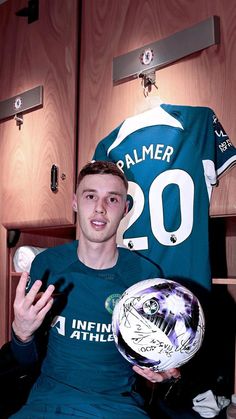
(30, 309)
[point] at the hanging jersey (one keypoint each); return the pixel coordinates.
(172, 156)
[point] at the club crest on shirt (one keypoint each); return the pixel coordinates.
(111, 302)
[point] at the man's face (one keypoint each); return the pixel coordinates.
(101, 204)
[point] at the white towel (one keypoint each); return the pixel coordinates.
(24, 257)
(209, 406)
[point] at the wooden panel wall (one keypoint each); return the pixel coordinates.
(40, 53)
(207, 78)
(111, 28)
(4, 285)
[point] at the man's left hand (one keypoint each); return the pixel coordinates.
(157, 377)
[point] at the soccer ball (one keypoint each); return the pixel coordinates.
(158, 324)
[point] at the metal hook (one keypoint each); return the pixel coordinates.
(148, 80)
(19, 119)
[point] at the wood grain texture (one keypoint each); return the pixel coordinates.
(230, 243)
(207, 78)
(223, 201)
(41, 53)
(4, 290)
(111, 28)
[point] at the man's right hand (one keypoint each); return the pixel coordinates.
(30, 309)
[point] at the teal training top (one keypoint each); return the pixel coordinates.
(82, 366)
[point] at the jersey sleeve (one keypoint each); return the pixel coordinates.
(225, 150)
(25, 353)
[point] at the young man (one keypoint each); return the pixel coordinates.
(83, 375)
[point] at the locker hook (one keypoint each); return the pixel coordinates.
(19, 119)
(148, 80)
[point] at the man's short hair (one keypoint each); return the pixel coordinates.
(101, 167)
